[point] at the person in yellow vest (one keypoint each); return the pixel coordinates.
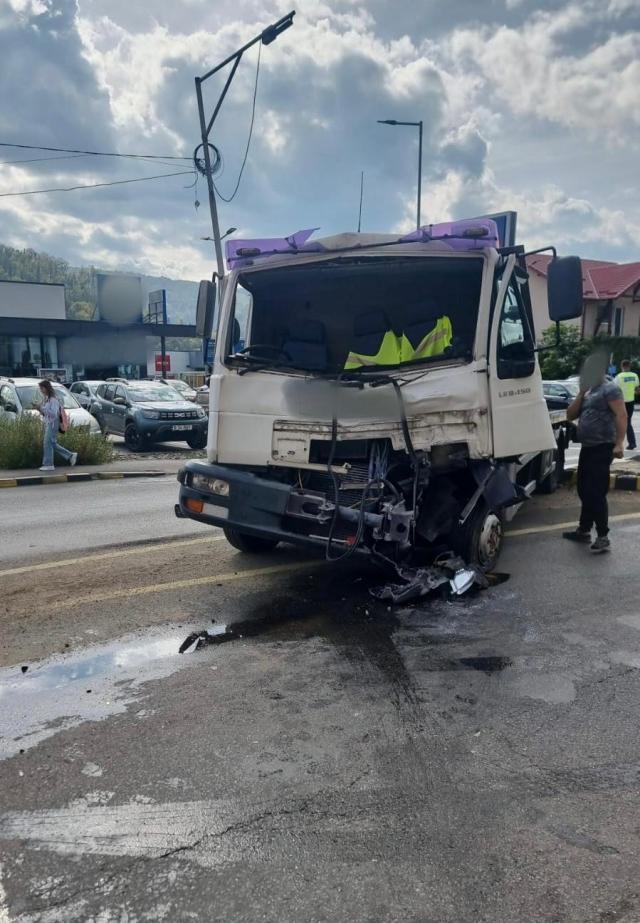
(628, 383)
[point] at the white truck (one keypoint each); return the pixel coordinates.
(376, 394)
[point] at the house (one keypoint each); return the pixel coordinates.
(611, 293)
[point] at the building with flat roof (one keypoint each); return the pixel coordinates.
(35, 332)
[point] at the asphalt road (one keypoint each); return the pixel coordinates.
(334, 760)
(74, 517)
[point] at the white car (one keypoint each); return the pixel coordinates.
(22, 395)
(184, 389)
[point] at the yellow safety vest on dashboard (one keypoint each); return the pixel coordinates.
(628, 382)
(433, 344)
(388, 354)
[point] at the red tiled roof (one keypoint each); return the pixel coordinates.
(600, 279)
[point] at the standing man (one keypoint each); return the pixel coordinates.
(602, 423)
(628, 382)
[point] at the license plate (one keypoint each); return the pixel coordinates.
(181, 427)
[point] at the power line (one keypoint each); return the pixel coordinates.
(246, 153)
(69, 150)
(119, 182)
(42, 159)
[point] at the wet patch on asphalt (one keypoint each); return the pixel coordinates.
(100, 681)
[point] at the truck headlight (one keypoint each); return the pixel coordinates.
(210, 485)
(151, 414)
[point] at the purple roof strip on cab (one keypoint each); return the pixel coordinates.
(459, 235)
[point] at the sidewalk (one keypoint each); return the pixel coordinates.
(625, 474)
(27, 477)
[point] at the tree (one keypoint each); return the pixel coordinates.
(563, 360)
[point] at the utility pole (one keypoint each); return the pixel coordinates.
(267, 36)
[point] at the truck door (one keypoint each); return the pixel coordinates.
(519, 412)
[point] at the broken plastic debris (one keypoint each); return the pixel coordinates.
(24, 669)
(448, 571)
(199, 639)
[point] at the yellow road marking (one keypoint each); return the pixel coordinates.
(567, 525)
(8, 482)
(141, 549)
(181, 584)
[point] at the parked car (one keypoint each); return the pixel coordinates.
(85, 392)
(183, 388)
(145, 412)
(22, 395)
(202, 397)
(560, 394)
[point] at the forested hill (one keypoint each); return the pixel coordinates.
(80, 287)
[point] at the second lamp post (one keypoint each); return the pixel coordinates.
(417, 125)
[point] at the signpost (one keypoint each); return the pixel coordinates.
(157, 314)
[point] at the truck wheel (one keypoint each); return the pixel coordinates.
(133, 438)
(250, 544)
(550, 484)
(197, 441)
(479, 540)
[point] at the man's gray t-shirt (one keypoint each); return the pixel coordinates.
(597, 423)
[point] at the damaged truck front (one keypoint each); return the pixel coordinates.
(377, 395)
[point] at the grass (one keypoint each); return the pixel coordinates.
(21, 444)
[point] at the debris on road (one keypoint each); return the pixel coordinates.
(449, 573)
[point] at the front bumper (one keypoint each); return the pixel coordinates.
(255, 505)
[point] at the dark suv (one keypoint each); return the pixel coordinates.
(145, 412)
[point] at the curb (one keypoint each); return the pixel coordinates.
(76, 477)
(616, 481)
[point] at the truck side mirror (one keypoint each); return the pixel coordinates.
(205, 308)
(564, 288)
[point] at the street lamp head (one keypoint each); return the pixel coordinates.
(387, 122)
(271, 33)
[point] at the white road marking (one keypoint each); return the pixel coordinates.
(104, 555)
(557, 526)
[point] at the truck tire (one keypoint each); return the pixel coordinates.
(479, 540)
(550, 484)
(249, 544)
(197, 441)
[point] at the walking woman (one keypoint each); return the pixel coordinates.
(50, 409)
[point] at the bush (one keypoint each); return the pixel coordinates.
(566, 359)
(21, 444)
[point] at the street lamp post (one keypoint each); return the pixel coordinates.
(267, 36)
(417, 125)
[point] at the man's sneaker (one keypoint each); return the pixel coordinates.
(601, 545)
(632, 448)
(47, 468)
(73, 459)
(577, 535)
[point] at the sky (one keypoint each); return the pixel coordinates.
(530, 106)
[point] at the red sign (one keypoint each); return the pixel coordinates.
(167, 363)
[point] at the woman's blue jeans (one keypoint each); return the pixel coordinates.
(50, 445)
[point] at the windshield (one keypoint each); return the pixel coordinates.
(153, 393)
(31, 397)
(356, 313)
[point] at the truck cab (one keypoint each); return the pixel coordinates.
(376, 394)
